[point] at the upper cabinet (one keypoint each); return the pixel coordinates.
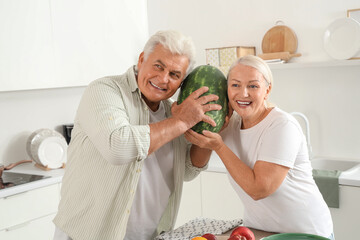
(26, 51)
(47, 44)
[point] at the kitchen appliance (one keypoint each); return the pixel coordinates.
(10, 166)
(67, 128)
(11, 179)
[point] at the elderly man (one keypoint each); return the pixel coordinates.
(128, 158)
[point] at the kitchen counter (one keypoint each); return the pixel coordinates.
(55, 176)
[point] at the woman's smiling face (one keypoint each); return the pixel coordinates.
(247, 92)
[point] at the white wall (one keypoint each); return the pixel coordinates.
(327, 95)
(22, 112)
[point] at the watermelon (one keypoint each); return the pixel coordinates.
(214, 79)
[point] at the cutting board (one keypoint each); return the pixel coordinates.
(279, 39)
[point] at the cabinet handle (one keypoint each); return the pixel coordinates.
(15, 195)
(21, 225)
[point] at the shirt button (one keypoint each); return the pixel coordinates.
(128, 211)
(145, 108)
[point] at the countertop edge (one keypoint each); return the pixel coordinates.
(54, 176)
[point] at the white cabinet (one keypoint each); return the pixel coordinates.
(29, 215)
(49, 43)
(219, 199)
(25, 44)
(346, 217)
(210, 195)
(190, 206)
(94, 39)
(37, 229)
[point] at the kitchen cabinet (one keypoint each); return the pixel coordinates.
(210, 195)
(346, 217)
(190, 205)
(94, 39)
(29, 215)
(47, 43)
(26, 57)
(219, 199)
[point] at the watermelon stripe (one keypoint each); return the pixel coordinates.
(206, 75)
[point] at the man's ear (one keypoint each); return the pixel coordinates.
(141, 60)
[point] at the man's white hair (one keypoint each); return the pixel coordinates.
(176, 42)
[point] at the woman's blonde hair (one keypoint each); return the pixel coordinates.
(260, 65)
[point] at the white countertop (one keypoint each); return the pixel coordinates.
(30, 168)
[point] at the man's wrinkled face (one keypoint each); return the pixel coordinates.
(160, 75)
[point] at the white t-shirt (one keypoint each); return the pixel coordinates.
(155, 185)
(297, 205)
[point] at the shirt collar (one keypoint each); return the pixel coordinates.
(132, 75)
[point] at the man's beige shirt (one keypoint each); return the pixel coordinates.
(110, 141)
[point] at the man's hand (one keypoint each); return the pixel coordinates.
(192, 110)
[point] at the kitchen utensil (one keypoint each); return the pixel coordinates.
(10, 166)
(279, 55)
(294, 236)
(279, 39)
(47, 148)
(342, 38)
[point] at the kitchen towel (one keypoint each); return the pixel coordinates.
(328, 184)
(198, 227)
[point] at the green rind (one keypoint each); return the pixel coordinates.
(214, 79)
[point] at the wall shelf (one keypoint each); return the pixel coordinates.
(300, 65)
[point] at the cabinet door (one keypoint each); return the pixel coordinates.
(346, 217)
(93, 39)
(39, 229)
(219, 199)
(190, 206)
(26, 52)
(25, 207)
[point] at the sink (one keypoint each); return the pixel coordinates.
(333, 164)
(350, 169)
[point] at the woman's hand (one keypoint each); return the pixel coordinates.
(209, 140)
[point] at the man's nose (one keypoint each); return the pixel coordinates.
(164, 77)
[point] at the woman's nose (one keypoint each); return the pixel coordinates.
(244, 92)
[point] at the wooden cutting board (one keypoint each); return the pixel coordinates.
(279, 39)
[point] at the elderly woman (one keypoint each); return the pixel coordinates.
(265, 153)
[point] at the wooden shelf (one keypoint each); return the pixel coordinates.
(299, 65)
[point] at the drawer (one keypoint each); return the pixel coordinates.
(38, 229)
(23, 207)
